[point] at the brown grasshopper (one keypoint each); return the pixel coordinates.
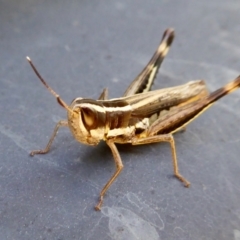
(141, 116)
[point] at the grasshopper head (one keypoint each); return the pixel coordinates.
(86, 121)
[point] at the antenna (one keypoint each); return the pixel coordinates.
(60, 101)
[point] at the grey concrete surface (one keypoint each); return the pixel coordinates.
(80, 47)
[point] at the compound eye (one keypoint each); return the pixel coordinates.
(89, 117)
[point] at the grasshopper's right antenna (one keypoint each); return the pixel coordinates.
(60, 101)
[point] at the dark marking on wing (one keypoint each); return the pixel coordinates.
(182, 116)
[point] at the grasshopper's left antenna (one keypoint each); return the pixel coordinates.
(60, 101)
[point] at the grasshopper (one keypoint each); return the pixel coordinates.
(140, 116)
